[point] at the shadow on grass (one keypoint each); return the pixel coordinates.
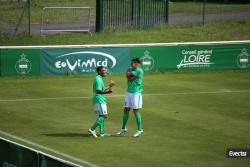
(75, 135)
(67, 135)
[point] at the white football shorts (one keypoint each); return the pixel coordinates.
(133, 100)
(101, 109)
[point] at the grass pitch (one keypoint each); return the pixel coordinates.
(189, 118)
(232, 30)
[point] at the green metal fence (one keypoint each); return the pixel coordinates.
(24, 16)
(130, 13)
(205, 11)
(15, 17)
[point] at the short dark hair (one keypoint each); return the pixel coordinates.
(98, 69)
(137, 60)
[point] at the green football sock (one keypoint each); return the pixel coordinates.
(138, 120)
(98, 122)
(125, 119)
(102, 127)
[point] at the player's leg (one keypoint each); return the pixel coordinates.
(104, 114)
(127, 106)
(125, 118)
(97, 123)
(124, 121)
(99, 120)
(102, 132)
(138, 119)
(137, 105)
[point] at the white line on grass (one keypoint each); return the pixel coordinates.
(121, 95)
(124, 45)
(48, 149)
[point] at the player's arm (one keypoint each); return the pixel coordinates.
(129, 73)
(105, 91)
(133, 77)
(112, 83)
(108, 89)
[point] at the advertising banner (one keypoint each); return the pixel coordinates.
(83, 60)
(193, 57)
(15, 156)
(20, 62)
(46, 161)
(211, 57)
(61, 61)
(154, 58)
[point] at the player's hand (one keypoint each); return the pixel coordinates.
(128, 70)
(112, 83)
(110, 90)
(128, 73)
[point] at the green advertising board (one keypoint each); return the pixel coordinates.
(12, 155)
(193, 57)
(83, 60)
(16, 155)
(154, 58)
(46, 161)
(213, 57)
(21, 62)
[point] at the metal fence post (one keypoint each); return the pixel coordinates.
(29, 20)
(167, 12)
(204, 12)
(20, 18)
(131, 13)
(132, 10)
(139, 13)
(99, 15)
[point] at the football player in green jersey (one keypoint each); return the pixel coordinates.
(133, 98)
(99, 100)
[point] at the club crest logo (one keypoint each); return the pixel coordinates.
(147, 61)
(243, 59)
(23, 65)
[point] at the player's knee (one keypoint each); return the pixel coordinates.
(135, 110)
(126, 109)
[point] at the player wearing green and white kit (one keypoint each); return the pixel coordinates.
(99, 100)
(133, 97)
